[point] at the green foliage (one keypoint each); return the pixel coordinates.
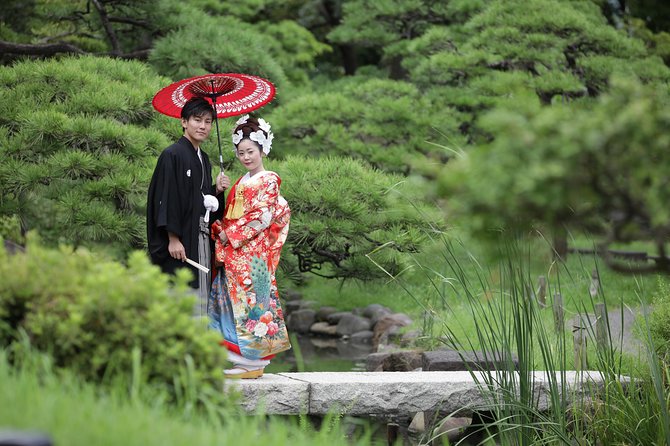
(657, 43)
(387, 25)
(188, 51)
(659, 320)
(383, 122)
(343, 211)
(35, 397)
(514, 49)
(118, 27)
(78, 141)
(90, 314)
(295, 48)
(600, 167)
(10, 228)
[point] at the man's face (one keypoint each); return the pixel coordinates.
(197, 128)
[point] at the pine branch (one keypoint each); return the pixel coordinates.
(27, 49)
(111, 35)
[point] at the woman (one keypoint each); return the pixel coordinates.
(244, 304)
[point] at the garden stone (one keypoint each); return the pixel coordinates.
(353, 350)
(300, 321)
(418, 424)
(323, 343)
(384, 327)
(451, 361)
(323, 313)
(291, 294)
(452, 428)
(308, 305)
(292, 305)
(410, 337)
(370, 310)
(375, 361)
(334, 318)
(379, 314)
(394, 361)
(362, 337)
(24, 438)
(323, 328)
(351, 323)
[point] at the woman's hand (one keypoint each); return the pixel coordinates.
(223, 237)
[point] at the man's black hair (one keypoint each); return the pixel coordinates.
(197, 107)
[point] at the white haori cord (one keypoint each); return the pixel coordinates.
(211, 204)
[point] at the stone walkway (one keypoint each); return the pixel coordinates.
(386, 394)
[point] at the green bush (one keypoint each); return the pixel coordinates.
(90, 314)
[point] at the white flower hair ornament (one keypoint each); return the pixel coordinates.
(258, 136)
(242, 120)
(237, 137)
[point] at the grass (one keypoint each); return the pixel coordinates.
(428, 295)
(494, 310)
(34, 397)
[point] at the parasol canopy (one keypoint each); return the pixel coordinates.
(230, 94)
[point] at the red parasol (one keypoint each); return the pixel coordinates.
(231, 94)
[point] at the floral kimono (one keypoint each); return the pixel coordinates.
(244, 304)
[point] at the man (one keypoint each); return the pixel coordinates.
(180, 188)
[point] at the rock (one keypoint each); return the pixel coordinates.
(452, 428)
(291, 305)
(323, 313)
(379, 314)
(323, 343)
(410, 337)
(375, 362)
(300, 321)
(350, 324)
(371, 309)
(418, 424)
(291, 294)
(362, 337)
(352, 350)
(323, 328)
(384, 327)
(451, 361)
(308, 305)
(394, 361)
(334, 318)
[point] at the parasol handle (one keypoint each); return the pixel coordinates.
(216, 120)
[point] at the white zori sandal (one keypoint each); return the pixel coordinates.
(244, 368)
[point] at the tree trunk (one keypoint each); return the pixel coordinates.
(348, 54)
(560, 244)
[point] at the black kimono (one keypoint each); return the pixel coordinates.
(175, 203)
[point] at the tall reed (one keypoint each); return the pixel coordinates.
(508, 327)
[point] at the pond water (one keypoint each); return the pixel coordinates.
(320, 354)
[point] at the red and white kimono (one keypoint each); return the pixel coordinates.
(244, 305)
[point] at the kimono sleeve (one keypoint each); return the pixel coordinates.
(258, 215)
(167, 202)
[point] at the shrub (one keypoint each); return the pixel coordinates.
(90, 314)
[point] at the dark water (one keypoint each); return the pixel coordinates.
(320, 354)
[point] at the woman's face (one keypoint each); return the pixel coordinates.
(250, 155)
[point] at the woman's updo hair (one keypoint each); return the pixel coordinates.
(254, 129)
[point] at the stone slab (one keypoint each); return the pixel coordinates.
(391, 394)
(271, 394)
